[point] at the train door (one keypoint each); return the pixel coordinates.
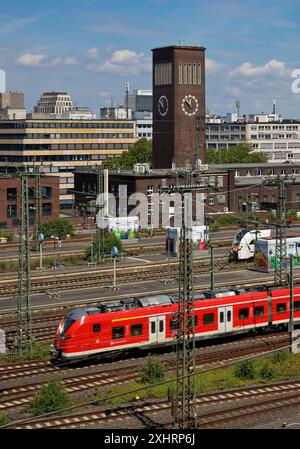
(225, 319)
(157, 329)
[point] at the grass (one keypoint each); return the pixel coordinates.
(40, 351)
(266, 369)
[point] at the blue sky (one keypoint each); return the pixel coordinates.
(92, 47)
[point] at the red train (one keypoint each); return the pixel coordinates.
(152, 321)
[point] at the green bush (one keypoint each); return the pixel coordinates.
(267, 372)
(3, 419)
(153, 371)
(60, 227)
(109, 241)
(245, 370)
(280, 357)
(50, 398)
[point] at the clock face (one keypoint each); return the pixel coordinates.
(189, 105)
(163, 105)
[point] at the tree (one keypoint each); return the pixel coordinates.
(50, 398)
(61, 227)
(109, 241)
(242, 154)
(139, 152)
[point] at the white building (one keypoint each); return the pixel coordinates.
(279, 140)
(53, 103)
(2, 81)
(115, 113)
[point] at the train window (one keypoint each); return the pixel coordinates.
(297, 305)
(195, 320)
(221, 317)
(96, 327)
(118, 332)
(228, 315)
(161, 325)
(259, 311)
(243, 314)
(136, 329)
(281, 308)
(153, 327)
(208, 318)
(174, 323)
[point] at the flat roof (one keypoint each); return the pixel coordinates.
(181, 47)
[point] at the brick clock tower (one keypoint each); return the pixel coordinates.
(178, 105)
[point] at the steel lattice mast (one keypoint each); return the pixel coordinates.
(38, 208)
(185, 409)
(281, 275)
(24, 325)
(281, 272)
(100, 191)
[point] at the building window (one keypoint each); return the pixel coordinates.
(199, 74)
(190, 73)
(185, 73)
(180, 73)
(11, 194)
(47, 209)
(46, 192)
(136, 329)
(11, 210)
(118, 332)
(194, 74)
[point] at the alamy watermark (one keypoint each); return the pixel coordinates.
(296, 82)
(2, 342)
(155, 210)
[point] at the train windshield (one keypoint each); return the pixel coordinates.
(238, 238)
(66, 325)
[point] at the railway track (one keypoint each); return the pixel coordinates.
(30, 368)
(207, 419)
(19, 395)
(79, 279)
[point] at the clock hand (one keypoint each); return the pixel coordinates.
(189, 102)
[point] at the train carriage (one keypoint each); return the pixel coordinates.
(152, 321)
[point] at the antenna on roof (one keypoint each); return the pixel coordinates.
(274, 106)
(238, 104)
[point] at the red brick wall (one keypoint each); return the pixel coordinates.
(7, 182)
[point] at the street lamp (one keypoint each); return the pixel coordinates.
(114, 254)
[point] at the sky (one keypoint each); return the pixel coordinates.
(90, 48)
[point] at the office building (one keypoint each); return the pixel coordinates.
(62, 146)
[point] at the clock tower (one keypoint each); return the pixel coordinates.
(178, 105)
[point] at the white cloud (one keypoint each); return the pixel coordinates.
(29, 59)
(212, 66)
(273, 67)
(92, 53)
(70, 60)
(37, 60)
(123, 63)
(234, 91)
